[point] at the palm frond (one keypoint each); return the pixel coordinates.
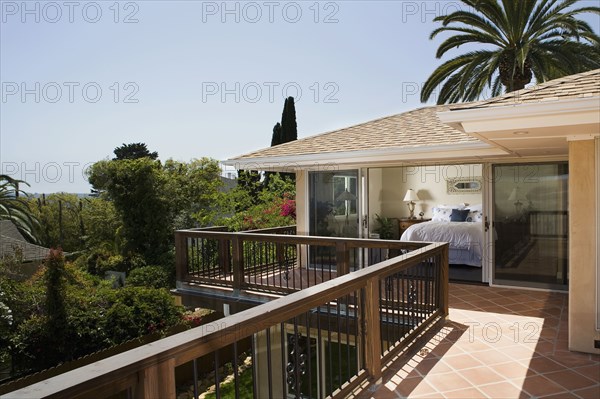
(534, 38)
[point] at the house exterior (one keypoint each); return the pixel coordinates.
(13, 244)
(530, 158)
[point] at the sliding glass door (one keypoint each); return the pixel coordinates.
(333, 203)
(530, 222)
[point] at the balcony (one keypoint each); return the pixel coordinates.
(341, 310)
(346, 318)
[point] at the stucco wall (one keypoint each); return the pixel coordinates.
(301, 202)
(582, 246)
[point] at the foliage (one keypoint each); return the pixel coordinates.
(56, 312)
(520, 39)
(101, 260)
(134, 151)
(96, 316)
(149, 276)
(102, 225)
(196, 191)
(75, 224)
(136, 311)
(283, 133)
(152, 200)
(15, 208)
(277, 138)
(275, 207)
(137, 188)
(385, 227)
(247, 191)
(60, 223)
(289, 128)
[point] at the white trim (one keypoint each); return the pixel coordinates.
(582, 137)
(510, 111)
(488, 212)
(597, 159)
(324, 161)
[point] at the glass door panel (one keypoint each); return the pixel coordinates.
(530, 204)
(333, 212)
(333, 204)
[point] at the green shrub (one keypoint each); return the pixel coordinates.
(149, 276)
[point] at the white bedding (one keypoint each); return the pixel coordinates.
(465, 239)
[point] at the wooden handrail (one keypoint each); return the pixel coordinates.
(271, 230)
(308, 240)
(149, 370)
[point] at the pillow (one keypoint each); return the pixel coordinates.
(459, 215)
(475, 216)
(441, 214)
(476, 208)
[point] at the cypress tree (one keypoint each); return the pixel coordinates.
(277, 137)
(289, 128)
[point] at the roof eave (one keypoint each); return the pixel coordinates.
(375, 156)
(545, 113)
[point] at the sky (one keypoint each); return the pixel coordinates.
(196, 79)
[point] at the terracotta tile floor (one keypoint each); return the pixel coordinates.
(498, 343)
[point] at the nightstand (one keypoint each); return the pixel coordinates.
(406, 223)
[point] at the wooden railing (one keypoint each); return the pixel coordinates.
(323, 341)
(267, 261)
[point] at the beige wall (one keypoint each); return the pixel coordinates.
(375, 192)
(301, 202)
(429, 182)
(582, 246)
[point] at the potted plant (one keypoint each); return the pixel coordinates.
(385, 227)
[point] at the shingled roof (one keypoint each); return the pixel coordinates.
(11, 240)
(421, 129)
(581, 85)
(416, 128)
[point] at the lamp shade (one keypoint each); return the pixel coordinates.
(346, 196)
(411, 195)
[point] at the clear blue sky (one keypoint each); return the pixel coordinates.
(197, 78)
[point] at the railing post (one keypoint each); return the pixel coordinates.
(342, 258)
(237, 246)
(224, 261)
(444, 277)
(372, 329)
(157, 381)
(181, 256)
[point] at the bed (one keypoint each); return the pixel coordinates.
(465, 237)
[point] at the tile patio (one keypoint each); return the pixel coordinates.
(497, 343)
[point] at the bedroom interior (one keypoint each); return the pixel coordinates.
(435, 191)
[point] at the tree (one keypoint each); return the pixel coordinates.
(15, 208)
(247, 190)
(276, 139)
(95, 315)
(56, 311)
(60, 221)
(137, 187)
(289, 128)
(134, 151)
(195, 190)
(521, 39)
(274, 206)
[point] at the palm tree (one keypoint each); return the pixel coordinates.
(15, 208)
(521, 39)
